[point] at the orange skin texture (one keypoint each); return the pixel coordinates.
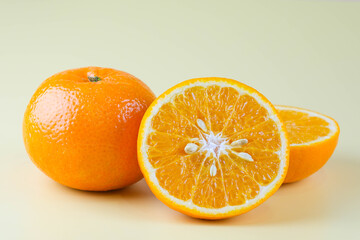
(194, 212)
(83, 134)
(305, 160)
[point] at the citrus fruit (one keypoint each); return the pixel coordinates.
(80, 127)
(212, 148)
(313, 138)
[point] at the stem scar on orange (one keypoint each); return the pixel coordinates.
(212, 148)
(81, 125)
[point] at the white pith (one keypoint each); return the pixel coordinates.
(214, 144)
(332, 125)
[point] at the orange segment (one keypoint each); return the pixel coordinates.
(212, 148)
(261, 136)
(264, 168)
(247, 113)
(221, 102)
(313, 138)
(159, 152)
(192, 104)
(178, 177)
(239, 185)
(169, 120)
(209, 191)
(302, 127)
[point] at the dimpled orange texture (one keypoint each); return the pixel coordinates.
(80, 127)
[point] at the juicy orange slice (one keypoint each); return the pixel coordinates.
(313, 138)
(212, 148)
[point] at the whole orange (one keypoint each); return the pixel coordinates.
(80, 127)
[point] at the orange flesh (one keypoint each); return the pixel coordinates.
(302, 127)
(226, 112)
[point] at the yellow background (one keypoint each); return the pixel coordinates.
(302, 53)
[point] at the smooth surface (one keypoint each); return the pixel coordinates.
(301, 53)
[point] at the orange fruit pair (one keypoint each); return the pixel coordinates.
(214, 148)
(209, 147)
(80, 127)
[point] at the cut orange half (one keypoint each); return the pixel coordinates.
(313, 138)
(212, 148)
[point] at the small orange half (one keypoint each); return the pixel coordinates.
(313, 137)
(212, 148)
